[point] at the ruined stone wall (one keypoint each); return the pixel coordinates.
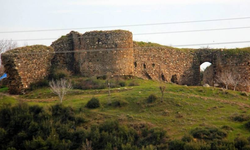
(64, 52)
(107, 51)
(100, 52)
(165, 63)
(26, 65)
(95, 53)
(232, 61)
(237, 63)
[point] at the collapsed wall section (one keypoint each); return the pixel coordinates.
(164, 63)
(26, 65)
(103, 52)
(234, 63)
(64, 51)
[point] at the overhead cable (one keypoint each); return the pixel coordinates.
(132, 25)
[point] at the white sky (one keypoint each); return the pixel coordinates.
(18, 15)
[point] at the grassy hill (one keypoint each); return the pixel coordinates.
(183, 108)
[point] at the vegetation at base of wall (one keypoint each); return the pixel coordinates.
(101, 82)
(39, 84)
(57, 74)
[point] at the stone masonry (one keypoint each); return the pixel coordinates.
(97, 53)
(26, 65)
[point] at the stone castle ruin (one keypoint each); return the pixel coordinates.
(98, 52)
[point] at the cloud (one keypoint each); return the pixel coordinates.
(154, 2)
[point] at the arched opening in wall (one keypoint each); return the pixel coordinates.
(206, 73)
(135, 64)
(148, 76)
(174, 79)
(163, 77)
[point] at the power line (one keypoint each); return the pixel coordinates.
(132, 25)
(203, 30)
(115, 49)
(169, 32)
(219, 43)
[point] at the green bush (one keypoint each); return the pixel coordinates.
(93, 103)
(176, 144)
(122, 83)
(152, 98)
(248, 125)
(39, 84)
(246, 147)
(240, 142)
(187, 138)
(90, 83)
(208, 133)
(133, 83)
(222, 145)
(119, 103)
(240, 118)
(57, 74)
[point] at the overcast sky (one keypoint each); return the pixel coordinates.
(22, 15)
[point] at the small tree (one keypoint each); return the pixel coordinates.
(237, 79)
(230, 77)
(225, 78)
(5, 45)
(109, 75)
(162, 89)
(60, 87)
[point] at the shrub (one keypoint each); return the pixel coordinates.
(192, 146)
(152, 98)
(62, 113)
(246, 147)
(93, 103)
(208, 133)
(187, 138)
(222, 145)
(240, 118)
(39, 84)
(57, 74)
(240, 142)
(90, 83)
(122, 83)
(119, 103)
(133, 83)
(176, 144)
(248, 125)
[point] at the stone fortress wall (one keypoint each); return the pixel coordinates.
(98, 52)
(26, 65)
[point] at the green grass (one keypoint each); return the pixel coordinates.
(183, 108)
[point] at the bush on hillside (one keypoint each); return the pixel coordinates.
(208, 133)
(240, 142)
(93, 103)
(119, 103)
(151, 98)
(240, 117)
(248, 125)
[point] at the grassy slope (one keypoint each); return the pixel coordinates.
(183, 108)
